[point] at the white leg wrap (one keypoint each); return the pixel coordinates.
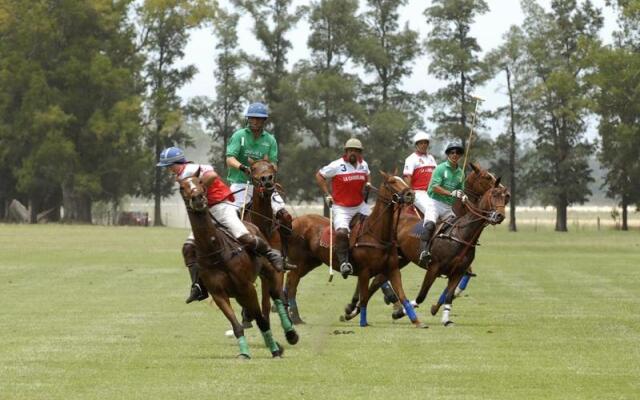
(445, 314)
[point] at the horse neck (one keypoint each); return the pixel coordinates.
(203, 230)
(262, 213)
(381, 220)
(470, 225)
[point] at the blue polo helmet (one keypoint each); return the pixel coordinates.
(257, 110)
(170, 156)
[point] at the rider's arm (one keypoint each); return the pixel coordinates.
(233, 162)
(322, 183)
(233, 151)
(441, 190)
(208, 177)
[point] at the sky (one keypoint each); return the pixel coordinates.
(488, 30)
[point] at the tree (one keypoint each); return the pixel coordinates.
(72, 105)
(508, 58)
(387, 52)
(320, 95)
(223, 114)
(617, 103)
(559, 47)
(165, 31)
(455, 55)
(272, 21)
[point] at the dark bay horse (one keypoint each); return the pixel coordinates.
(229, 271)
(373, 247)
(477, 182)
(453, 249)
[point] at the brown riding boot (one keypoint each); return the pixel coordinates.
(342, 251)
(198, 291)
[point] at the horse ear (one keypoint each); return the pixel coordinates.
(384, 174)
(475, 167)
(251, 161)
(498, 182)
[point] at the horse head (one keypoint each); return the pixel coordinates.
(396, 189)
(478, 181)
(193, 193)
(493, 203)
(263, 175)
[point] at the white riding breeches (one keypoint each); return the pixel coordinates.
(436, 211)
(225, 213)
(342, 215)
(421, 201)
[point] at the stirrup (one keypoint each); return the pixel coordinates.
(196, 294)
(346, 269)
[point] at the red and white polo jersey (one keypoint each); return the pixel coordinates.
(347, 181)
(217, 192)
(419, 167)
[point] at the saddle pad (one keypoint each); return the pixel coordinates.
(417, 230)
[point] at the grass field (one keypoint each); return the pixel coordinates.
(90, 312)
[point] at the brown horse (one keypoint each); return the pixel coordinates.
(229, 271)
(477, 182)
(453, 248)
(374, 249)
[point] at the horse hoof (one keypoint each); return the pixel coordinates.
(419, 324)
(447, 323)
(397, 314)
(243, 356)
(292, 336)
(297, 321)
(434, 309)
(278, 353)
(366, 324)
(348, 309)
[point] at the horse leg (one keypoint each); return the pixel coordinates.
(222, 301)
(274, 280)
(352, 309)
(451, 286)
(463, 284)
(363, 288)
(249, 300)
(291, 288)
(429, 277)
(265, 288)
(396, 281)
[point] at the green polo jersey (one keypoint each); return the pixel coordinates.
(243, 145)
(447, 178)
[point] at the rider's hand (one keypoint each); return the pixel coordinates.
(457, 193)
(244, 169)
(329, 200)
(367, 185)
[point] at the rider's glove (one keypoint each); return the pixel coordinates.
(457, 193)
(464, 198)
(244, 169)
(329, 200)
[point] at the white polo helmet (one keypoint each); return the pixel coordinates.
(421, 135)
(353, 143)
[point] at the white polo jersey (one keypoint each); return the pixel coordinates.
(419, 167)
(347, 181)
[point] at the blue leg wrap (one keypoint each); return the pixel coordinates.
(443, 296)
(408, 309)
(464, 282)
(386, 285)
(292, 303)
(363, 316)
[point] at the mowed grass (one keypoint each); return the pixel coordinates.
(89, 312)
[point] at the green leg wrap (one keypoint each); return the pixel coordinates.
(269, 342)
(284, 317)
(244, 346)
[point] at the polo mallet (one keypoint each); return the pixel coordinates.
(473, 124)
(330, 242)
(244, 200)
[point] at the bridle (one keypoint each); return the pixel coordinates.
(193, 195)
(490, 214)
(266, 184)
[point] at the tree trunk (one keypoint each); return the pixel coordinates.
(561, 215)
(33, 210)
(512, 158)
(625, 205)
(77, 207)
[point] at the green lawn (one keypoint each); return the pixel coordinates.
(98, 313)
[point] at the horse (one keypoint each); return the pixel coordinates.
(453, 248)
(477, 182)
(373, 247)
(229, 271)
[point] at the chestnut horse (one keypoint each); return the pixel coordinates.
(453, 249)
(229, 271)
(373, 251)
(477, 182)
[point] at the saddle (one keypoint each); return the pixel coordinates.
(355, 225)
